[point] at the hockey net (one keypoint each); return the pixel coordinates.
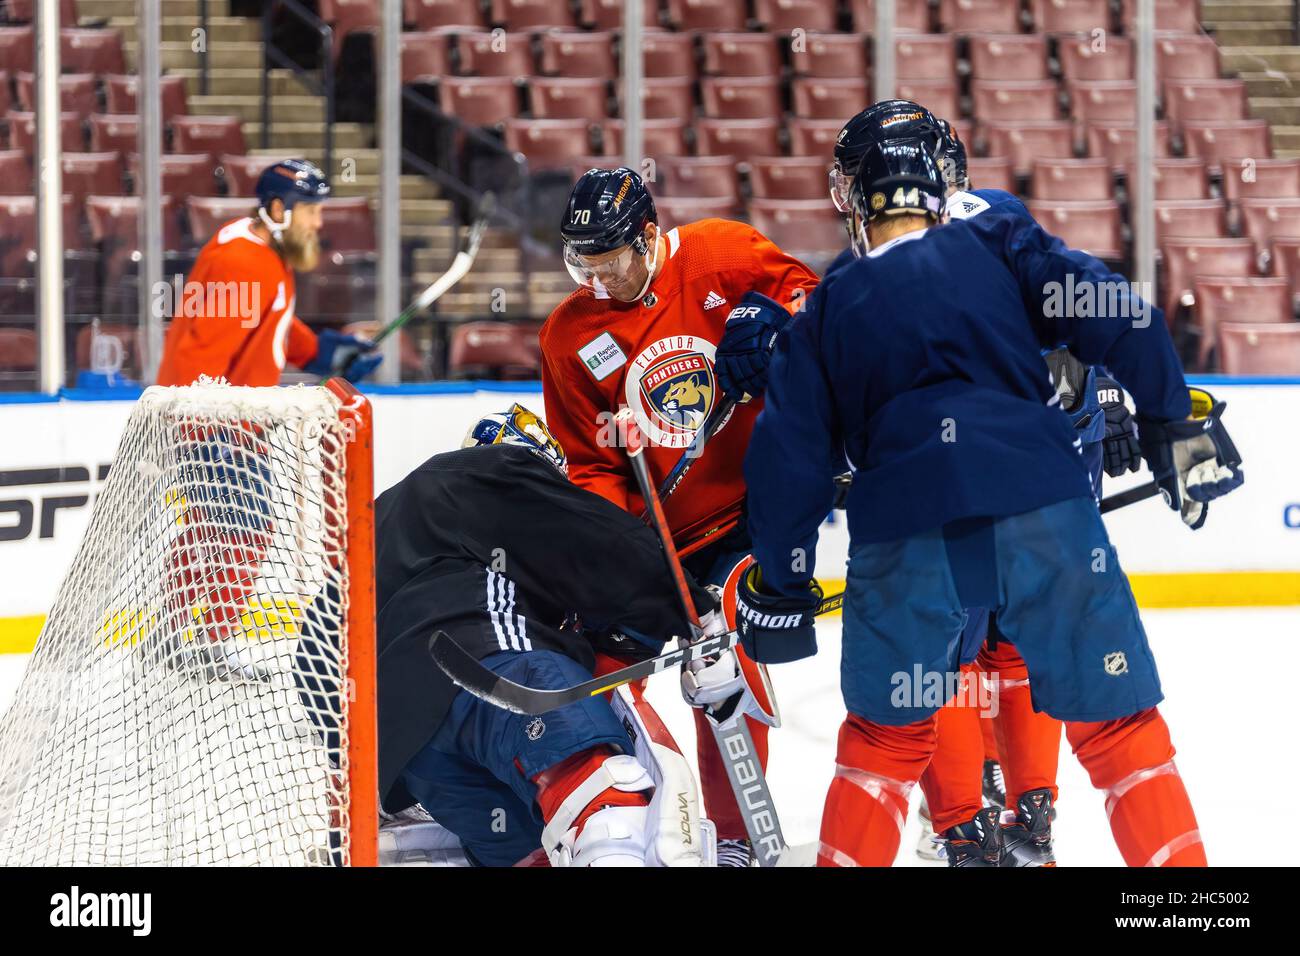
(202, 691)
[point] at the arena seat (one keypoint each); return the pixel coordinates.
(992, 172)
(666, 97)
(431, 14)
(204, 215)
(1070, 16)
(753, 97)
(577, 54)
(1023, 143)
(1171, 16)
(483, 54)
(1106, 100)
(97, 51)
(660, 137)
(496, 348)
(1213, 101)
(740, 138)
(1184, 260)
(1021, 100)
(1246, 349)
(707, 14)
(241, 173)
(520, 15)
(18, 48)
(426, 56)
(1284, 260)
(909, 15)
(1180, 178)
(679, 210)
(213, 135)
(562, 97)
(1190, 57)
(741, 54)
(547, 144)
(1215, 142)
(608, 14)
(809, 137)
(805, 228)
(1117, 141)
(1080, 60)
(784, 16)
(76, 93)
(1093, 226)
(666, 54)
(979, 16)
(1254, 299)
(1072, 179)
(940, 97)
(183, 174)
(1190, 219)
(87, 174)
(713, 177)
(479, 100)
(789, 177)
(114, 226)
(120, 93)
(925, 57)
(1011, 56)
(22, 132)
(15, 174)
(831, 55)
(818, 98)
(1264, 220)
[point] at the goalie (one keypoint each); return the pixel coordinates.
(493, 545)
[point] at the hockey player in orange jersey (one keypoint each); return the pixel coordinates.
(236, 318)
(641, 332)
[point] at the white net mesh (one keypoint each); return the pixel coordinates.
(182, 704)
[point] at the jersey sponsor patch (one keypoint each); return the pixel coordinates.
(965, 205)
(713, 300)
(602, 356)
(671, 389)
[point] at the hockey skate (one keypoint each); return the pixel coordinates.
(994, 785)
(1027, 837)
(977, 843)
(929, 846)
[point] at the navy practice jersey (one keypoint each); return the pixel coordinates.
(923, 362)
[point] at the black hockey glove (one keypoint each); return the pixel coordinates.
(775, 629)
(746, 348)
(1194, 461)
(1119, 449)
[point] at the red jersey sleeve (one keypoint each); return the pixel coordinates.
(301, 345)
(780, 276)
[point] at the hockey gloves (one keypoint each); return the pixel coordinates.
(775, 629)
(746, 348)
(348, 355)
(1120, 450)
(1193, 461)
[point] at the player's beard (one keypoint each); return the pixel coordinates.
(300, 253)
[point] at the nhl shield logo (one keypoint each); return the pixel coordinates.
(1115, 663)
(671, 389)
(535, 728)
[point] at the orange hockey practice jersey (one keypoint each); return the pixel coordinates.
(235, 316)
(656, 357)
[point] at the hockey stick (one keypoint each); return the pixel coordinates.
(1123, 499)
(696, 448)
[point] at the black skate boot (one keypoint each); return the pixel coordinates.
(995, 788)
(977, 843)
(1028, 841)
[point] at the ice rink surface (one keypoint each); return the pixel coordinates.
(1229, 677)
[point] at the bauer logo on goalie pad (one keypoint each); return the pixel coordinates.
(1115, 664)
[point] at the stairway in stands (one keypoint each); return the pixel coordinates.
(1256, 41)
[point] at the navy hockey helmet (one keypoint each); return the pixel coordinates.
(607, 212)
(291, 181)
(518, 426)
(888, 118)
(898, 176)
(953, 150)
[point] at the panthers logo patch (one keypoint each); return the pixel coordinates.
(671, 388)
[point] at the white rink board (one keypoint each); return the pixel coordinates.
(1257, 528)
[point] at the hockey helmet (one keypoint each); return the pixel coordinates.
(604, 227)
(518, 426)
(892, 118)
(953, 150)
(897, 176)
(291, 181)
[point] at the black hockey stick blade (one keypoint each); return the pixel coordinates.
(1123, 499)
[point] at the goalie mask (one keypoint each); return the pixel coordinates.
(518, 426)
(610, 232)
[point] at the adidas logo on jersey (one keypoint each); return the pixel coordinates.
(713, 300)
(970, 207)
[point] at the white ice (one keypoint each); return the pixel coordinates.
(1228, 674)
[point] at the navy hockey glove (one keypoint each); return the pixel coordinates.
(1119, 449)
(775, 629)
(348, 355)
(1194, 461)
(746, 348)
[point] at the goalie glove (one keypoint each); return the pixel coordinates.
(712, 679)
(1194, 461)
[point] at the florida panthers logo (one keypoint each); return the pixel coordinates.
(671, 388)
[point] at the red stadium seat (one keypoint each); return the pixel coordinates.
(562, 97)
(548, 144)
(1185, 260)
(97, 51)
(350, 16)
(532, 14)
(206, 214)
(19, 350)
(1092, 226)
(1284, 260)
(1255, 300)
(741, 54)
(802, 227)
(783, 16)
(1259, 349)
(1072, 179)
(909, 15)
(1023, 143)
(426, 57)
(114, 225)
(495, 348)
(15, 174)
(1070, 16)
(669, 97)
(1015, 56)
(347, 228)
(831, 55)
(92, 174)
(1177, 179)
(1191, 219)
(1191, 57)
(1211, 101)
(810, 137)
(185, 174)
(125, 340)
(22, 132)
(17, 235)
(608, 14)
(18, 48)
(1006, 100)
(940, 97)
(924, 57)
(994, 172)
(713, 177)
(818, 98)
(6, 99)
(211, 134)
(665, 54)
(1107, 100)
(1214, 142)
(979, 16)
(1118, 141)
(120, 133)
(120, 94)
(1261, 179)
(707, 14)
(242, 172)
(495, 54)
(742, 138)
(1172, 16)
(431, 14)
(480, 100)
(679, 210)
(752, 97)
(660, 137)
(571, 53)
(789, 177)
(1081, 60)
(76, 93)
(1264, 220)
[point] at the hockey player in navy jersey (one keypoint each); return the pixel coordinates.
(922, 362)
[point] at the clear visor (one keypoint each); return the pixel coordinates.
(840, 184)
(592, 271)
